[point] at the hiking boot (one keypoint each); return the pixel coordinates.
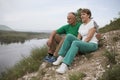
(47, 57)
(52, 59)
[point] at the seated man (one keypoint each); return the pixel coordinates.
(55, 40)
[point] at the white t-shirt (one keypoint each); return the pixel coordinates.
(83, 30)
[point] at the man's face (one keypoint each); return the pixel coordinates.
(71, 19)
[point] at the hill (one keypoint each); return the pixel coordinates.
(5, 28)
(114, 25)
(102, 64)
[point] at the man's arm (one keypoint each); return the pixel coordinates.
(52, 35)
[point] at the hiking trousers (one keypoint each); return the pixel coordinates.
(72, 45)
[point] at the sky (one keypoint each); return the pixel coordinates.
(37, 15)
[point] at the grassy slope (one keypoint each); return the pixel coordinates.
(114, 25)
(112, 73)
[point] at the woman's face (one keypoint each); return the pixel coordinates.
(84, 17)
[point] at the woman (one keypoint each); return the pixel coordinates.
(86, 42)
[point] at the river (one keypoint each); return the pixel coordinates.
(14, 52)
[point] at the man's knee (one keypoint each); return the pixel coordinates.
(57, 38)
(68, 36)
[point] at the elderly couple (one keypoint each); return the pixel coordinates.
(79, 37)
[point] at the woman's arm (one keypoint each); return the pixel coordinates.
(91, 32)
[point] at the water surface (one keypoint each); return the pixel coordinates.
(14, 52)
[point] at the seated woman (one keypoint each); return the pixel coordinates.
(85, 43)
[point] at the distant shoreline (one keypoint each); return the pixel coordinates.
(7, 37)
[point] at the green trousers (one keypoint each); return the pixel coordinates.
(72, 45)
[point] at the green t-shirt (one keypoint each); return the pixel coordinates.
(69, 29)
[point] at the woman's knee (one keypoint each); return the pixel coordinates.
(75, 43)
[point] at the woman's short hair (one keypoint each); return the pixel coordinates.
(87, 11)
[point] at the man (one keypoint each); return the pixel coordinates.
(55, 40)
